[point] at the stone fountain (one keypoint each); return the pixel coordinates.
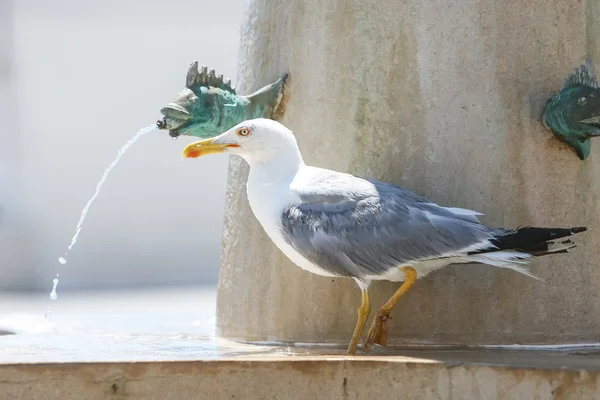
(444, 98)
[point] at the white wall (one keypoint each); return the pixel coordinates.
(15, 247)
(86, 75)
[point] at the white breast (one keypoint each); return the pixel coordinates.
(267, 200)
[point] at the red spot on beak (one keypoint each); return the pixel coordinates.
(193, 154)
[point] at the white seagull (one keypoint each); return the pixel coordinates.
(339, 225)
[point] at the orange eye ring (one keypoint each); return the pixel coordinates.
(243, 131)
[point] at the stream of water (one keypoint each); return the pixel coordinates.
(63, 260)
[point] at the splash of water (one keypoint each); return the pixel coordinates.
(122, 151)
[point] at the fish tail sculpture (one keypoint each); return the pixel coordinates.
(573, 114)
(209, 104)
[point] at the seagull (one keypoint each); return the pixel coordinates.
(335, 224)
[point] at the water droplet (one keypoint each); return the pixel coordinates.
(53, 294)
(581, 101)
(62, 260)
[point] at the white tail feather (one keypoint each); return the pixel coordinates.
(516, 260)
(553, 247)
(506, 259)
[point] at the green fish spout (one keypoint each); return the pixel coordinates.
(209, 105)
(573, 114)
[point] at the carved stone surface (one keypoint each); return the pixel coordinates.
(209, 105)
(573, 114)
(445, 99)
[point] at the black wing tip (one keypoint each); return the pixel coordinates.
(535, 240)
(573, 230)
(578, 229)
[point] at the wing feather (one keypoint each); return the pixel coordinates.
(354, 227)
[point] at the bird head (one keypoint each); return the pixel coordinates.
(256, 140)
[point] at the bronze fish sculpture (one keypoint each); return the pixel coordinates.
(573, 114)
(209, 105)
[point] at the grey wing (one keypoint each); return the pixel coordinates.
(352, 233)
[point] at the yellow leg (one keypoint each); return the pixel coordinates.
(378, 331)
(363, 315)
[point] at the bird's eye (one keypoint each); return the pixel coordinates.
(243, 132)
(581, 101)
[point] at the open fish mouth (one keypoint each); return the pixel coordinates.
(165, 124)
(595, 120)
(174, 132)
(175, 118)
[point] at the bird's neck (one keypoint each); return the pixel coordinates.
(277, 168)
(268, 188)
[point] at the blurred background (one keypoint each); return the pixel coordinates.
(77, 80)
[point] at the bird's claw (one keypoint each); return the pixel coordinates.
(381, 336)
(378, 333)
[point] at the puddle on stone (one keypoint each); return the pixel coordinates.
(178, 324)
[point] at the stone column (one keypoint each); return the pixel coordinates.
(443, 98)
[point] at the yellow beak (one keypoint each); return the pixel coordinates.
(205, 147)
